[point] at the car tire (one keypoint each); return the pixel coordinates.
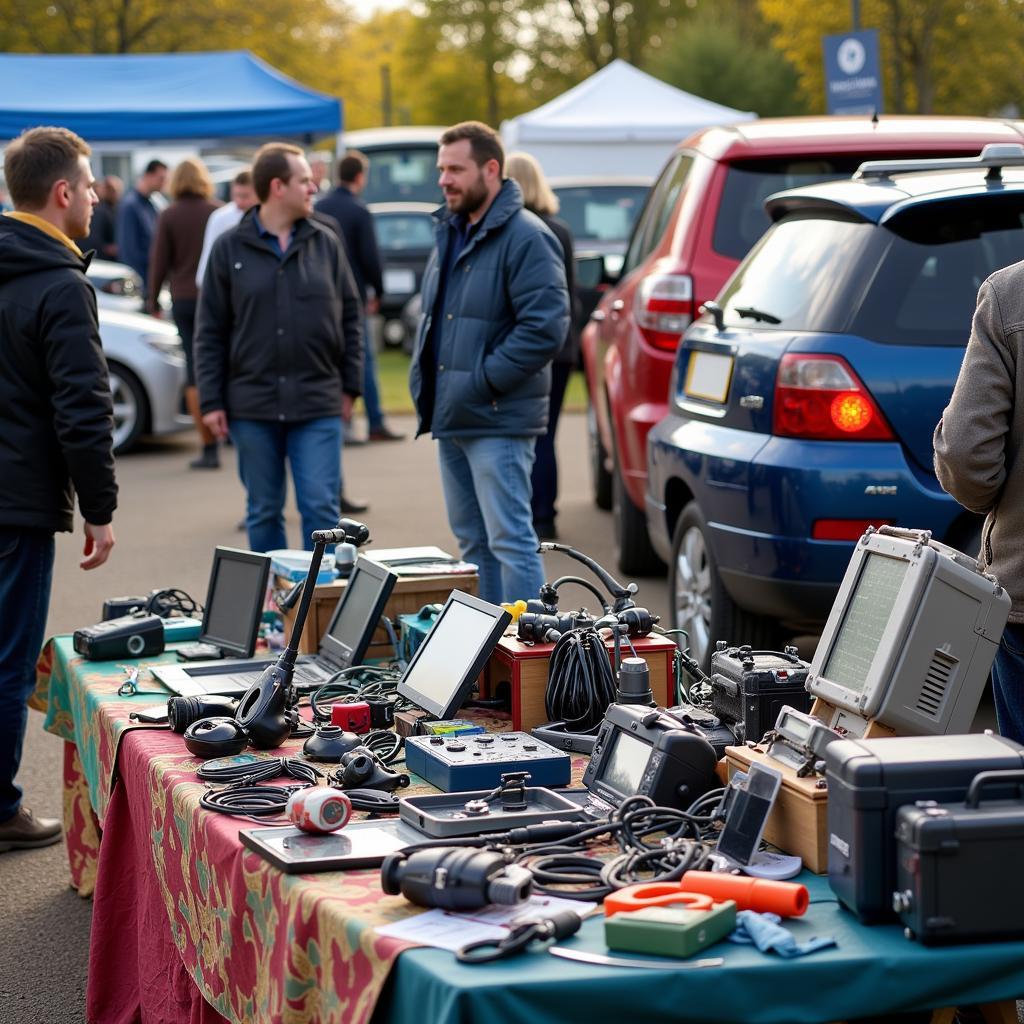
(600, 478)
(131, 407)
(699, 602)
(636, 555)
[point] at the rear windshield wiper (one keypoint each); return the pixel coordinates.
(757, 314)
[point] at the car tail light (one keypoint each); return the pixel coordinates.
(663, 308)
(820, 397)
(844, 529)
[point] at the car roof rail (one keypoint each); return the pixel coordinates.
(995, 156)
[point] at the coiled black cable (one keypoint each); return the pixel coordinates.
(386, 745)
(166, 602)
(256, 770)
(354, 684)
(248, 801)
(581, 683)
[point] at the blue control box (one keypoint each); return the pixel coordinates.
(459, 764)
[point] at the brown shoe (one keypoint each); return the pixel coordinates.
(385, 434)
(27, 832)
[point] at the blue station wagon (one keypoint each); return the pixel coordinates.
(802, 403)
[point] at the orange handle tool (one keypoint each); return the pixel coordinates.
(787, 899)
(654, 894)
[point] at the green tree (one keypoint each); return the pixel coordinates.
(938, 56)
(728, 61)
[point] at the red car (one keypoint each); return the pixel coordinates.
(701, 217)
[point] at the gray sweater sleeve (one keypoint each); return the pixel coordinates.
(971, 439)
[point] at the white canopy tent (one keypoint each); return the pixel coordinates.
(618, 121)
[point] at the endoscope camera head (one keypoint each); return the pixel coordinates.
(348, 531)
(455, 878)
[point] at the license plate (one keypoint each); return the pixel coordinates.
(399, 282)
(708, 376)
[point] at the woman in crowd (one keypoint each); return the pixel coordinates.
(539, 199)
(177, 245)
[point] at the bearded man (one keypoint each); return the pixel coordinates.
(496, 310)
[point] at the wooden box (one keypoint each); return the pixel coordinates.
(522, 669)
(798, 823)
(410, 594)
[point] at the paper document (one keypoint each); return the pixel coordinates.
(446, 929)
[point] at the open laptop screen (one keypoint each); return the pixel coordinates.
(358, 611)
(234, 601)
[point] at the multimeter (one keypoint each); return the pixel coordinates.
(799, 741)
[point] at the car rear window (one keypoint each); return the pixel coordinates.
(742, 219)
(912, 281)
(601, 213)
(402, 173)
(397, 232)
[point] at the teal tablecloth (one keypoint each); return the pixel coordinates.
(872, 971)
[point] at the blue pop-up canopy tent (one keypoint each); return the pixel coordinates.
(160, 96)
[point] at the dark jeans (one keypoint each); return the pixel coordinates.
(26, 572)
(545, 466)
(184, 313)
(1008, 683)
(371, 393)
(312, 449)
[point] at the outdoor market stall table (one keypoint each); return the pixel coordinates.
(190, 926)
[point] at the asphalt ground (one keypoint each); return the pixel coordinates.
(170, 519)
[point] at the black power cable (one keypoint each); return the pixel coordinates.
(581, 683)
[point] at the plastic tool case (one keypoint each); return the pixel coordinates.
(870, 780)
(949, 887)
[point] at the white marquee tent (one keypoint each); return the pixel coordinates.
(618, 121)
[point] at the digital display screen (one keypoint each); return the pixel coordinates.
(236, 597)
(748, 810)
(356, 606)
(794, 728)
(624, 767)
(447, 654)
(867, 614)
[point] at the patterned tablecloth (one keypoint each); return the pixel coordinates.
(209, 916)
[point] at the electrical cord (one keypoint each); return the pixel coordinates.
(375, 801)
(586, 584)
(257, 770)
(249, 801)
(581, 683)
(385, 745)
(166, 603)
(368, 681)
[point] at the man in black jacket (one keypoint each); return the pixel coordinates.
(356, 223)
(278, 349)
(56, 424)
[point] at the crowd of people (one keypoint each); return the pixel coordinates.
(271, 296)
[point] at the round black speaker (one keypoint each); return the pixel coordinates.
(216, 737)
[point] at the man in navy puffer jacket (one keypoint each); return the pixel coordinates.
(495, 311)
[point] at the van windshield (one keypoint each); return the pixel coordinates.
(401, 173)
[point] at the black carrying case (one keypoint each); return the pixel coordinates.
(956, 864)
(749, 688)
(870, 780)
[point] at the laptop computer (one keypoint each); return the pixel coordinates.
(234, 606)
(348, 635)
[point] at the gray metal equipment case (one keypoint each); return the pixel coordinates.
(910, 638)
(870, 780)
(956, 872)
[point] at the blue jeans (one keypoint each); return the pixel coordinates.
(26, 572)
(371, 394)
(486, 484)
(313, 450)
(1008, 683)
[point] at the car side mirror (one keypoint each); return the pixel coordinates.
(590, 271)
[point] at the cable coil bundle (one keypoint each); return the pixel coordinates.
(581, 683)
